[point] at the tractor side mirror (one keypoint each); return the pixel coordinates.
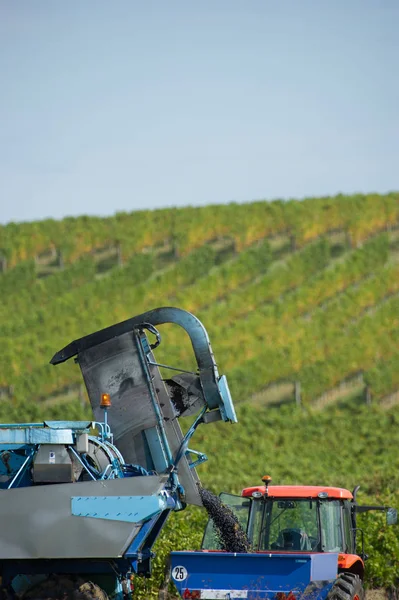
(392, 516)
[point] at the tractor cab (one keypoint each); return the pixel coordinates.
(291, 518)
(285, 518)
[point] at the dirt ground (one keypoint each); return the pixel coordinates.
(382, 594)
(376, 595)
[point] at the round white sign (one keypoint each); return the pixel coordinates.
(179, 573)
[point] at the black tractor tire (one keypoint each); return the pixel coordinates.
(65, 587)
(347, 586)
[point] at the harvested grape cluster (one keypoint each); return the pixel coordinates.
(232, 537)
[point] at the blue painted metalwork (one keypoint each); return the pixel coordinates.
(107, 429)
(36, 435)
(19, 425)
(184, 445)
(131, 509)
(227, 408)
(104, 431)
(162, 434)
(157, 451)
(6, 446)
(140, 553)
(141, 537)
(75, 425)
(83, 463)
(115, 451)
(201, 458)
(254, 575)
(108, 449)
(12, 460)
(113, 471)
(24, 467)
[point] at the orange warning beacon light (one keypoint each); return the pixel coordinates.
(105, 401)
(266, 480)
(105, 404)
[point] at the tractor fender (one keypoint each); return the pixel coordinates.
(352, 563)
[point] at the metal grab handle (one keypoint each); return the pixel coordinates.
(155, 332)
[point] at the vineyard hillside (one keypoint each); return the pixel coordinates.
(301, 303)
(300, 298)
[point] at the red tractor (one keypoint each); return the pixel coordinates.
(303, 539)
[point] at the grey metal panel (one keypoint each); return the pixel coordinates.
(36, 435)
(52, 464)
(114, 367)
(51, 531)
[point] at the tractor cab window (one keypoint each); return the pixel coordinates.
(290, 525)
(240, 507)
(331, 528)
(287, 525)
(348, 528)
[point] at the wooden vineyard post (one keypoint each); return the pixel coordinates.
(297, 387)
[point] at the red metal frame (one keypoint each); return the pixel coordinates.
(298, 491)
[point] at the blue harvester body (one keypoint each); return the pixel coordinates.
(90, 498)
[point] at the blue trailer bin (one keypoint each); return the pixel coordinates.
(253, 576)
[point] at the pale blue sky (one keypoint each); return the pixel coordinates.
(128, 104)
